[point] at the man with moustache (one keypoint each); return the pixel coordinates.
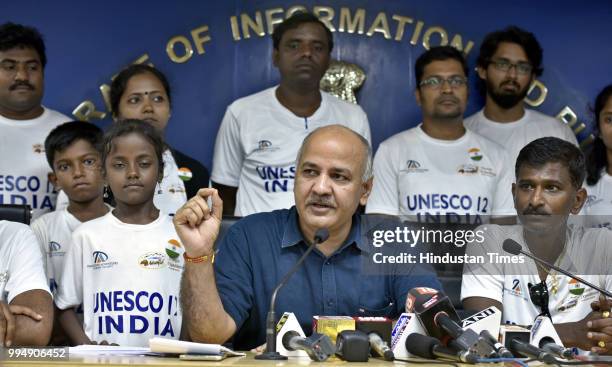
(439, 171)
(229, 301)
(254, 157)
(548, 189)
(509, 61)
(24, 122)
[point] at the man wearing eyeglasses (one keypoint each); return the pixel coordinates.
(439, 171)
(549, 176)
(509, 61)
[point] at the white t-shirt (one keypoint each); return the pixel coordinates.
(509, 283)
(54, 233)
(597, 210)
(127, 277)
(21, 263)
(258, 141)
(418, 176)
(170, 194)
(515, 135)
(23, 164)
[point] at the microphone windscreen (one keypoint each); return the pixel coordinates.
(421, 298)
(321, 235)
(511, 246)
(421, 345)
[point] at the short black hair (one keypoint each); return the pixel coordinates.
(596, 156)
(121, 80)
(512, 34)
(66, 134)
(19, 36)
(129, 126)
(553, 150)
(295, 21)
(438, 53)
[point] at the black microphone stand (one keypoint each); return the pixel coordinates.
(271, 354)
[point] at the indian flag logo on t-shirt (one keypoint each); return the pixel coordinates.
(172, 249)
(475, 154)
(575, 288)
(185, 174)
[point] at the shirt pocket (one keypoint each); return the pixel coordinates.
(386, 311)
(374, 300)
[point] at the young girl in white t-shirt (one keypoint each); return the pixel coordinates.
(125, 267)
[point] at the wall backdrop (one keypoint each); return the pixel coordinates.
(216, 51)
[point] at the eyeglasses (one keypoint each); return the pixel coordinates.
(436, 82)
(523, 68)
(539, 297)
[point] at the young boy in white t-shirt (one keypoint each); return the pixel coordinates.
(72, 152)
(74, 158)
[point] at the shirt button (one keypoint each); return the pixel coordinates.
(330, 303)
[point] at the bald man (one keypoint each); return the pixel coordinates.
(230, 298)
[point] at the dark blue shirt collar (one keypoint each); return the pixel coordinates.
(293, 235)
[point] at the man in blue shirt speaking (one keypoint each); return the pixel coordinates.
(229, 300)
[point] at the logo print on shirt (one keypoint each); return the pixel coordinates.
(467, 169)
(100, 260)
(152, 260)
(172, 250)
(414, 166)
(99, 257)
(38, 148)
(185, 174)
(516, 289)
(575, 288)
(265, 146)
(4, 277)
(592, 200)
(54, 246)
(475, 154)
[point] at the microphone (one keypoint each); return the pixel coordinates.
(427, 303)
(321, 235)
(498, 347)
(556, 349)
(440, 319)
(407, 324)
(513, 247)
(431, 348)
(353, 346)
(531, 351)
(380, 347)
(318, 346)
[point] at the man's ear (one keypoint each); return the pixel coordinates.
(417, 96)
(580, 199)
(367, 189)
(53, 179)
(482, 73)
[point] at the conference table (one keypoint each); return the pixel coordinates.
(246, 361)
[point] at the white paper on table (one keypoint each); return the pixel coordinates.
(113, 350)
(162, 345)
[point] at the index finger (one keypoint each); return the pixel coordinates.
(599, 324)
(25, 311)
